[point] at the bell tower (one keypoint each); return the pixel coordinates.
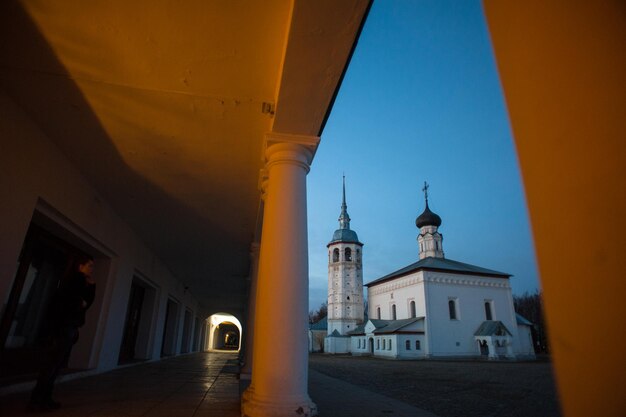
(345, 277)
(430, 241)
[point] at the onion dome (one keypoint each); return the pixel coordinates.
(427, 218)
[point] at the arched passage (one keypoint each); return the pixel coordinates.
(224, 332)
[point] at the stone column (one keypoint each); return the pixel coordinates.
(246, 370)
(280, 357)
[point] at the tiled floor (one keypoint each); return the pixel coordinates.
(195, 385)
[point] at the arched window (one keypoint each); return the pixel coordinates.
(417, 345)
(348, 255)
(377, 344)
(383, 344)
(358, 255)
(359, 343)
(452, 309)
(378, 313)
(335, 255)
(408, 345)
(393, 312)
(389, 345)
(488, 310)
(412, 308)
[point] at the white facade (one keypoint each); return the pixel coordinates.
(432, 293)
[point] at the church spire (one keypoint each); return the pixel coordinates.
(344, 218)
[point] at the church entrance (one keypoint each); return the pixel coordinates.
(484, 348)
(371, 345)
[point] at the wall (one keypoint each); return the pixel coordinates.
(35, 174)
(471, 294)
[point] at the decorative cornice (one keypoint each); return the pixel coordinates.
(437, 278)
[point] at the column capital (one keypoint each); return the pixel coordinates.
(308, 143)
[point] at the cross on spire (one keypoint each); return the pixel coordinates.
(425, 189)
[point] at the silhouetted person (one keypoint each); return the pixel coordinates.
(69, 304)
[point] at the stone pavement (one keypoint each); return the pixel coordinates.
(195, 385)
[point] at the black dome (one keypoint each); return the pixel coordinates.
(428, 218)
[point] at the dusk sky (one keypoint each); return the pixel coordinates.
(421, 101)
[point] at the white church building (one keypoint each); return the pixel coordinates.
(435, 307)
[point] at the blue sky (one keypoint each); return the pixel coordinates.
(421, 101)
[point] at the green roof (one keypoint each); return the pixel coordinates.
(321, 324)
(441, 265)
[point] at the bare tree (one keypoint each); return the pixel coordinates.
(320, 313)
(530, 306)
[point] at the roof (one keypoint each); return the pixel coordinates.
(492, 328)
(345, 235)
(321, 324)
(522, 320)
(442, 265)
(393, 326)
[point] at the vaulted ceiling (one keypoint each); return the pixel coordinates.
(164, 105)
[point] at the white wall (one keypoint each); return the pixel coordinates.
(456, 337)
(431, 292)
(35, 174)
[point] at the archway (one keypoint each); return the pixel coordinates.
(225, 332)
(371, 343)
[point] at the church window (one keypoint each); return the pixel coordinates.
(378, 313)
(417, 345)
(359, 343)
(408, 345)
(358, 255)
(488, 314)
(377, 344)
(348, 298)
(412, 308)
(348, 255)
(452, 309)
(389, 345)
(383, 344)
(335, 255)
(393, 312)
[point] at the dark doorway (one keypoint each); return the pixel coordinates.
(186, 332)
(45, 261)
(131, 327)
(168, 347)
(371, 343)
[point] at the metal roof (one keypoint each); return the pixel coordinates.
(443, 265)
(321, 324)
(522, 320)
(492, 328)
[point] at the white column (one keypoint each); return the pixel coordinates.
(280, 357)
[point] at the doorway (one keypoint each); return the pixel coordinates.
(44, 263)
(168, 347)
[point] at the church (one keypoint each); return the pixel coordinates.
(435, 307)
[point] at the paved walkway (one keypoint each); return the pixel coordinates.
(195, 385)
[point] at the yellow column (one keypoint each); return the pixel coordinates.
(563, 69)
(280, 357)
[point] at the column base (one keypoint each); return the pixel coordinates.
(254, 406)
